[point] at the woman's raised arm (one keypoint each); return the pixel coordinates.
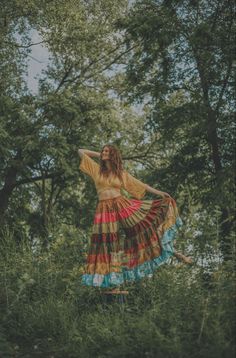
(90, 153)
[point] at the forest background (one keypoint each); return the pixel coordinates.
(154, 77)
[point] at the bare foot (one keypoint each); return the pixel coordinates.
(185, 259)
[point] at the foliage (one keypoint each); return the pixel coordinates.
(41, 133)
(181, 66)
(156, 79)
(180, 312)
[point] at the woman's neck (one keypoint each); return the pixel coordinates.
(108, 165)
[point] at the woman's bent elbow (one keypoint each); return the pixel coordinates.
(80, 152)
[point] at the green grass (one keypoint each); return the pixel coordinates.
(45, 312)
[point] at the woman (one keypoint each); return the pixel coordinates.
(131, 238)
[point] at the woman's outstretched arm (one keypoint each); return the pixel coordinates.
(155, 191)
(90, 153)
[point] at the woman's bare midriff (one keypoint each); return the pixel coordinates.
(109, 194)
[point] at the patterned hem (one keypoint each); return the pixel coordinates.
(140, 271)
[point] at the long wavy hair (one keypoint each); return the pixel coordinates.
(115, 160)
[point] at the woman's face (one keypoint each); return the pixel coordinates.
(105, 154)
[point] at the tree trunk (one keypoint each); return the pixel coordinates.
(6, 191)
(9, 184)
(213, 141)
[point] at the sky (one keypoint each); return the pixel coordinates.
(38, 60)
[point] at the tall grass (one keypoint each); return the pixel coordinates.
(182, 311)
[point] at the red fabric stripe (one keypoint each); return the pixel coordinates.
(156, 215)
(143, 245)
(106, 257)
(104, 237)
(115, 216)
(99, 258)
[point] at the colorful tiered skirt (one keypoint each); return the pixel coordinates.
(130, 239)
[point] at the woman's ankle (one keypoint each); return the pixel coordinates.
(182, 257)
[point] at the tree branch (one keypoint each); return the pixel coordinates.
(23, 46)
(38, 178)
(225, 83)
(101, 70)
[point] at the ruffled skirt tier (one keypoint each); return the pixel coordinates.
(130, 239)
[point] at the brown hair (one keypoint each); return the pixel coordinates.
(115, 160)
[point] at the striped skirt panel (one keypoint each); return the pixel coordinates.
(130, 239)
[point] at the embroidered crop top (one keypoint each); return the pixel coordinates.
(132, 185)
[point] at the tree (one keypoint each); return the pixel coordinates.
(41, 133)
(182, 67)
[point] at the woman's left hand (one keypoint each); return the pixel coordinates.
(163, 194)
